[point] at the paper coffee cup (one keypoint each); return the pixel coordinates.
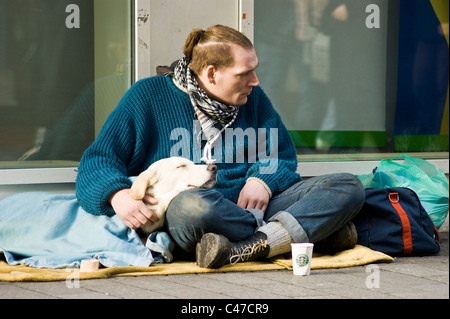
(301, 258)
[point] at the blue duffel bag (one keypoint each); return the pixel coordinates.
(394, 222)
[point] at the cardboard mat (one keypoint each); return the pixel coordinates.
(357, 256)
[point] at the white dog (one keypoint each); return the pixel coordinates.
(168, 177)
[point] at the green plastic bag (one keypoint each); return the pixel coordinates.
(429, 183)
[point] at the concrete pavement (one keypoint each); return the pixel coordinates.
(405, 278)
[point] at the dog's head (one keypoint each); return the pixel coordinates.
(173, 175)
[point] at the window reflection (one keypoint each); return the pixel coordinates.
(325, 68)
(54, 80)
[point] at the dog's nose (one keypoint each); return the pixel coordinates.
(212, 168)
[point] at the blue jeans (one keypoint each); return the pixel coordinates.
(310, 210)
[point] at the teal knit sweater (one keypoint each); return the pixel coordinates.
(153, 120)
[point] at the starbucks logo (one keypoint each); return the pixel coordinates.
(302, 260)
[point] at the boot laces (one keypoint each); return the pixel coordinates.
(244, 253)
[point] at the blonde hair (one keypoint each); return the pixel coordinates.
(213, 47)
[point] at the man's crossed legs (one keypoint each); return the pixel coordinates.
(219, 232)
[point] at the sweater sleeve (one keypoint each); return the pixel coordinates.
(276, 163)
(116, 154)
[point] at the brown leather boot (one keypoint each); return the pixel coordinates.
(215, 251)
(342, 239)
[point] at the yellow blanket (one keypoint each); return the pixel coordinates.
(357, 256)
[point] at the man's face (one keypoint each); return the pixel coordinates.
(234, 84)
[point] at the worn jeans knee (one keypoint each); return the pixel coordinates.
(193, 213)
(320, 205)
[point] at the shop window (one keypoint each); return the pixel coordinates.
(64, 66)
(357, 77)
(351, 79)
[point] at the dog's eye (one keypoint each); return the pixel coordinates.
(182, 165)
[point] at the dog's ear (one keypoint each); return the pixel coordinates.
(142, 182)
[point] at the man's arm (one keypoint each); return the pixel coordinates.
(275, 170)
(117, 153)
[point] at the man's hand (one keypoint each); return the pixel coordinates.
(134, 213)
(253, 195)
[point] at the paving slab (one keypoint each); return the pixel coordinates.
(405, 278)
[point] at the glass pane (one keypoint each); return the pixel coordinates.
(171, 21)
(64, 66)
(357, 76)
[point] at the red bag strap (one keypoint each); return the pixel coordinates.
(436, 234)
(407, 235)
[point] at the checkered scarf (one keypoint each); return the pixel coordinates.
(214, 117)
